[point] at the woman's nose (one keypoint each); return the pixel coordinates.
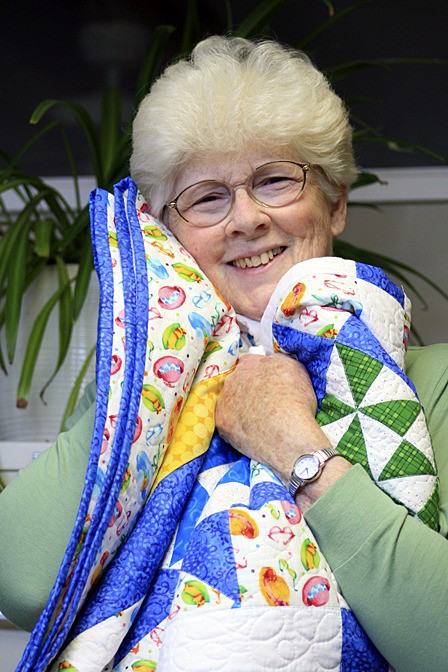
(247, 216)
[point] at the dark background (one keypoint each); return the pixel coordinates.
(71, 49)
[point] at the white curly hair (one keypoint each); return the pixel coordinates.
(233, 96)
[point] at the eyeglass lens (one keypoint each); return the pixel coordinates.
(273, 184)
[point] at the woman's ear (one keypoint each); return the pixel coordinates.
(339, 214)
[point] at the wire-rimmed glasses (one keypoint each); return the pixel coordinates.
(274, 185)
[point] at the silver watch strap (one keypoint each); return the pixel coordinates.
(294, 484)
(325, 453)
(322, 455)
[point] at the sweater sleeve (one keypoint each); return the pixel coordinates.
(391, 568)
(37, 512)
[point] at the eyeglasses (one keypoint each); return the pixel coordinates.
(272, 185)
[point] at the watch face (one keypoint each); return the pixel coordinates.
(307, 467)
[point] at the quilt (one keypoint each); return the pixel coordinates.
(186, 555)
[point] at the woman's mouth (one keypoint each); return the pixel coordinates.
(258, 260)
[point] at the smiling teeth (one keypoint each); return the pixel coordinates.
(258, 260)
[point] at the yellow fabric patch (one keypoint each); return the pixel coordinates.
(194, 428)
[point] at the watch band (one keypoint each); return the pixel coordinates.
(322, 455)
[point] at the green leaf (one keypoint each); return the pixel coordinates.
(3, 362)
(395, 144)
(73, 397)
(79, 228)
(345, 69)
(73, 168)
(13, 268)
(7, 247)
(256, 20)
(191, 27)
(39, 134)
(65, 309)
(84, 121)
(37, 191)
(16, 182)
(83, 278)
(33, 349)
(110, 130)
(14, 294)
(152, 60)
(330, 7)
(43, 230)
(33, 270)
(65, 319)
(60, 211)
(369, 134)
(121, 165)
(229, 17)
(329, 23)
(365, 178)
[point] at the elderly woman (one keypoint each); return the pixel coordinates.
(245, 153)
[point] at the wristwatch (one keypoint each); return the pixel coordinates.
(308, 468)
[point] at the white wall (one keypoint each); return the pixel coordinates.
(414, 232)
(12, 644)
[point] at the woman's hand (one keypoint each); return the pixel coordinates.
(266, 410)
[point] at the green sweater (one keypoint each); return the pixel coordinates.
(392, 569)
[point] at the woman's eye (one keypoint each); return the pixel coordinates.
(208, 198)
(204, 200)
(273, 181)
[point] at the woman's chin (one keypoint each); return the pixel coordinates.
(253, 309)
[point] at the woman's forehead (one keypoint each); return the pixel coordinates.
(228, 167)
